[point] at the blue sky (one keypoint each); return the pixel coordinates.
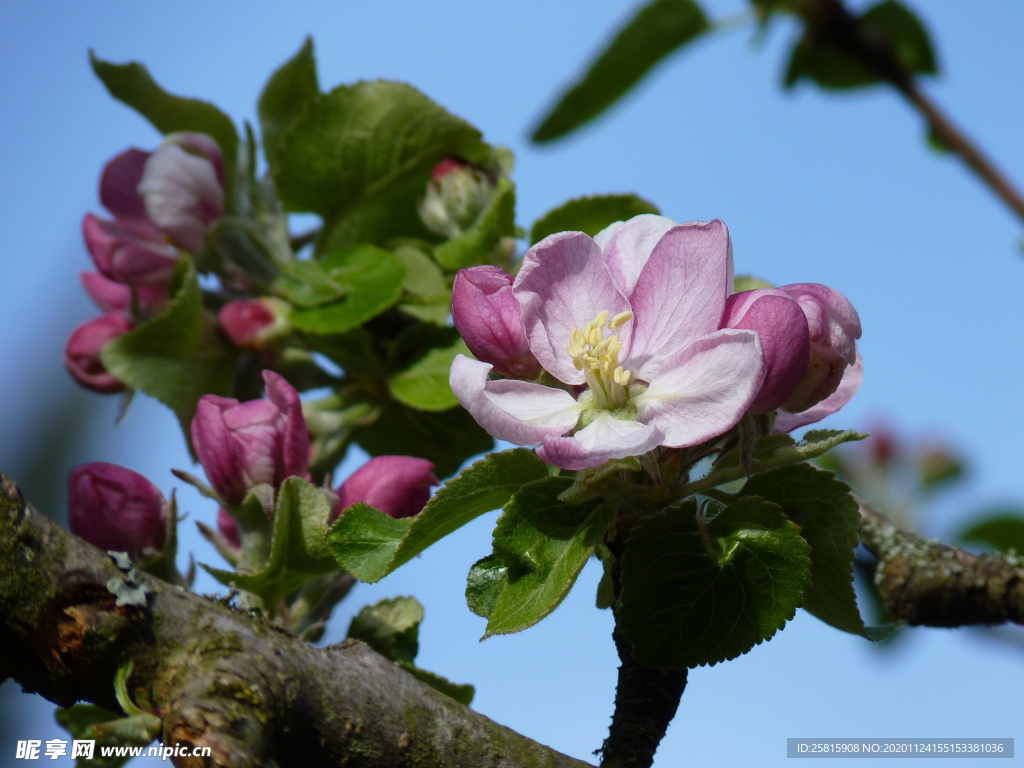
(838, 189)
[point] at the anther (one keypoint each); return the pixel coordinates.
(620, 319)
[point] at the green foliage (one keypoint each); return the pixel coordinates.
(133, 85)
(701, 589)
(657, 30)
(476, 244)
(370, 545)
(372, 281)
(590, 215)
(750, 283)
(287, 94)
(829, 522)
(999, 529)
(461, 692)
(890, 23)
(298, 548)
(487, 578)
(426, 294)
(307, 284)
(177, 356)
(544, 543)
(424, 384)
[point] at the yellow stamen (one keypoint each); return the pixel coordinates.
(620, 319)
(597, 356)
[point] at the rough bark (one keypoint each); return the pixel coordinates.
(925, 582)
(218, 676)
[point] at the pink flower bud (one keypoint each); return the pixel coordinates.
(117, 297)
(398, 486)
(122, 257)
(228, 529)
(116, 509)
(119, 193)
(785, 344)
(183, 187)
(241, 445)
(252, 324)
(82, 352)
(834, 329)
(488, 317)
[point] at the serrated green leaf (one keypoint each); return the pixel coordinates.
(372, 280)
(544, 543)
(446, 438)
(487, 578)
(391, 627)
(423, 277)
(287, 94)
(999, 529)
(476, 244)
(462, 693)
(770, 452)
(424, 384)
(830, 523)
(370, 545)
(307, 284)
(132, 84)
(177, 356)
(657, 29)
(590, 215)
(692, 597)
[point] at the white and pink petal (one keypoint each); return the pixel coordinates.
(605, 438)
(627, 245)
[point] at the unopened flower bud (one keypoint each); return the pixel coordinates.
(834, 329)
(489, 318)
(456, 195)
(241, 445)
(82, 352)
(780, 325)
(183, 187)
(398, 486)
(254, 323)
(119, 193)
(124, 258)
(116, 509)
(228, 530)
(117, 297)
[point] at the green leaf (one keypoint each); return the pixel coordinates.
(298, 548)
(461, 693)
(830, 523)
(306, 284)
(446, 438)
(476, 244)
(177, 356)
(605, 588)
(435, 313)
(889, 23)
(749, 283)
(424, 384)
(362, 143)
(90, 722)
(287, 94)
(133, 85)
(544, 543)
(372, 280)
(700, 591)
(423, 277)
(390, 627)
(771, 452)
(590, 215)
(77, 719)
(999, 529)
(487, 578)
(370, 545)
(657, 30)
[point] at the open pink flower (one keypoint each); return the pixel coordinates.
(628, 322)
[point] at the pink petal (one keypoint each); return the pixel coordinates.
(704, 391)
(604, 438)
(563, 284)
(108, 295)
(832, 319)
(853, 377)
(521, 412)
(295, 445)
(217, 449)
(627, 245)
(680, 294)
(119, 193)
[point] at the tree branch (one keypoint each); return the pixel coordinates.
(926, 582)
(219, 677)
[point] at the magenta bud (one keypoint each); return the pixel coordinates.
(122, 257)
(241, 445)
(834, 329)
(228, 529)
(785, 343)
(398, 486)
(82, 352)
(489, 319)
(117, 297)
(119, 193)
(253, 324)
(183, 187)
(116, 509)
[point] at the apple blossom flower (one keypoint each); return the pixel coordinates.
(82, 352)
(782, 329)
(457, 194)
(398, 486)
(117, 297)
(489, 319)
(241, 445)
(253, 323)
(116, 509)
(627, 323)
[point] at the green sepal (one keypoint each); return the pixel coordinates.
(590, 215)
(287, 94)
(476, 244)
(370, 545)
(698, 590)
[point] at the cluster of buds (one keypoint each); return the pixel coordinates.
(162, 203)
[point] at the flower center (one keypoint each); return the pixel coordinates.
(597, 356)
